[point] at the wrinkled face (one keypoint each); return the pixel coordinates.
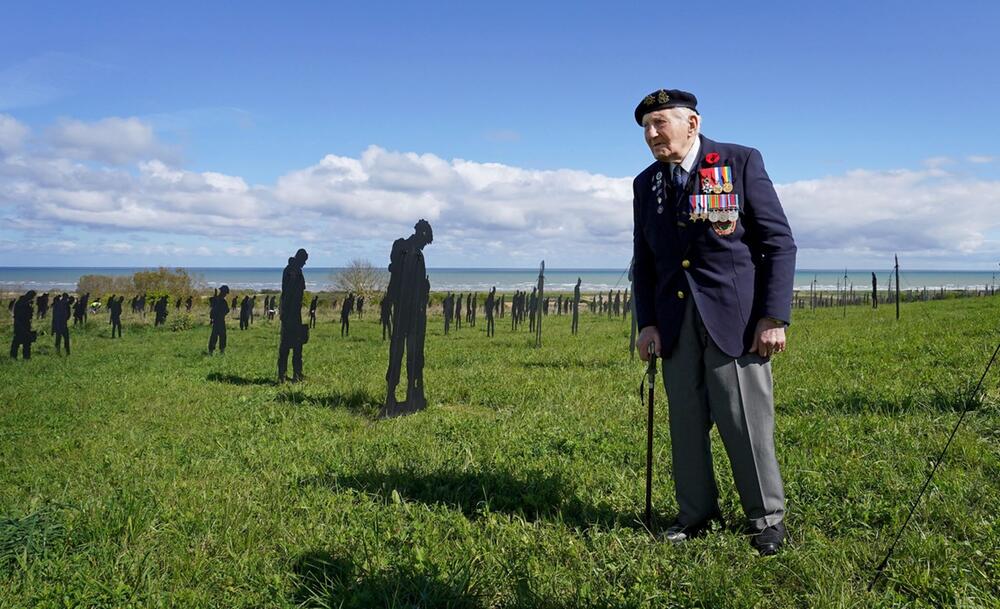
(669, 134)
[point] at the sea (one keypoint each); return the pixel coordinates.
(64, 279)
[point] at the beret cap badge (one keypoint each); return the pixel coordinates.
(665, 98)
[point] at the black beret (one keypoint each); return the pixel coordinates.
(665, 98)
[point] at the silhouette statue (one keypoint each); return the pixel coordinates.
(60, 320)
(24, 310)
(293, 287)
(448, 309)
(80, 310)
(489, 305)
(385, 316)
(312, 310)
(409, 289)
(538, 309)
(874, 291)
(576, 306)
(345, 314)
(245, 305)
(42, 302)
(115, 315)
(218, 308)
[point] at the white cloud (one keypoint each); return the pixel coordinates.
(113, 140)
(979, 159)
(925, 211)
(486, 214)
(12, 133)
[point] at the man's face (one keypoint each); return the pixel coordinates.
(668, 136)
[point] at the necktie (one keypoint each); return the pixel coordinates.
(679, 179)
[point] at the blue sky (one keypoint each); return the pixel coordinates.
(258, 92)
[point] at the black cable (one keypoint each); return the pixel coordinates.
(916, 502)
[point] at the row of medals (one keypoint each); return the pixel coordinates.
(716, 215)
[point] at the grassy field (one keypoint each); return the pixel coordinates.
(141, 473)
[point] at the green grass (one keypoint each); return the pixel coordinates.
(141, 473)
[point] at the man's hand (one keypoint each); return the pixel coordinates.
(768, 338)
(648, 335)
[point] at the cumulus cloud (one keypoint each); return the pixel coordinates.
(12, 133)
(923, 211)
(486, 214)
(111, 140)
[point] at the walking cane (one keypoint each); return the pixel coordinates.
(651, 379)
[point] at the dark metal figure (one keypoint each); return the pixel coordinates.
(293, 287)
(409, 289)
(245, 307)
(448, 309)
(60, 320)
(115, 311)
(160, 308)
(538, 309)
(312, 310)
(24, 310)
(576, 306)
(80, 310)
(489, 306)
(385, 316)
(217, 311)
(42, 302)
(345, 315)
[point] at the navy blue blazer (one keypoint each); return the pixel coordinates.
(735, 279)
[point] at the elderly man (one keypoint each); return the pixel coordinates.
(714, 266)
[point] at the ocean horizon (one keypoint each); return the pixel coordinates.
(14, 279)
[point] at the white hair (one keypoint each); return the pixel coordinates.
(684, 114)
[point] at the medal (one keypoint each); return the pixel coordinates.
(706, 185)
(713, 216)
(659, 209)
(727, 187)
(717, 189)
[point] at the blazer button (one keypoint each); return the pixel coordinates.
(685, 264)
(680, 294)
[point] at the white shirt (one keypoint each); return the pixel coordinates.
(690, 159)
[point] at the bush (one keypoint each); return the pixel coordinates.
(180, 321)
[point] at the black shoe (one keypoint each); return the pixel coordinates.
(298, 378)
(769, 541)
(679, 533)
(281, 378)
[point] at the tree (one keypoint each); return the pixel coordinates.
(165, 281)
(360, 277)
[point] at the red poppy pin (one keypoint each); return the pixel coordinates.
(712, 158)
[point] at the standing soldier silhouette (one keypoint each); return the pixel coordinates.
(217, 311)
(24, 310)
(489, 305)
(60, 320)
(115, 311)
(293, 286)
(408, 292)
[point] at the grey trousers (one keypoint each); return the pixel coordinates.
(706, 386)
